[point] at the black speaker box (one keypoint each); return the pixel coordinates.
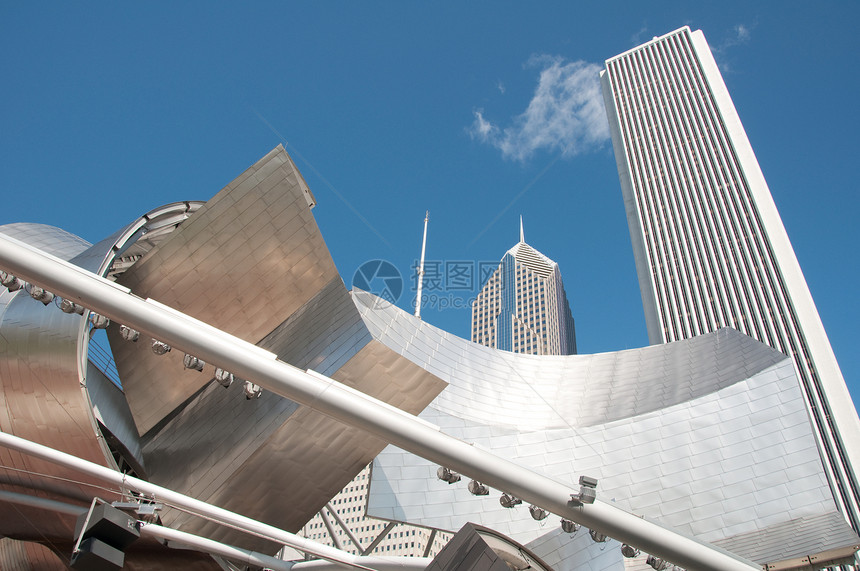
(95, 555)
(110, 525)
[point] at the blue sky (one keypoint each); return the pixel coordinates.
(479, 112)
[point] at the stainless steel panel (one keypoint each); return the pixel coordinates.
(282, 477)
(244, 262)
(709, 436)
(42, 397)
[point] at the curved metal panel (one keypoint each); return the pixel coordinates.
(43, 399)
(44, 379)
(709, 436)
(247, 260)
(307, 459)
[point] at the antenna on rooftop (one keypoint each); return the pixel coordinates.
(421, 268)
(522, 234)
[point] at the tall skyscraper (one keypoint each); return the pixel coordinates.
(710, 248)
(523, 307)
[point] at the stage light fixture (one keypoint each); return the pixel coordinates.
(67, 306)
(568, 526)
(252, 391)
(160, 348)
(629, 551)
(538, 513)
(40, 294)
(128, 333)
(509, 501)
(476, 488)
(10, 282)
(99, 321)
(447, 475)
(192, 362)
(597, 536)
(224, 378)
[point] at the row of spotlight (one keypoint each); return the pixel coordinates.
(14, 284)
(587, 494)
(98, 321)
(587, 485)
(224, 378)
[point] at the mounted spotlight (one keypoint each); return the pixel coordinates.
(538, 513)
(252, 391)
(40, 294)
(193, 363)
(629, 551)
(128, 333)
(67, 306)
(657, 563)
(587, 491)
(509, 501)
(478, 489)
(99, 321)
(597, 536)
(568, 526)
(447, 475)
(9, 281)
(224, 378)
(160, 348)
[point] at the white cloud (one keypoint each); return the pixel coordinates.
(482, 128)
(740, 34)
(636, 38)
(565, 114)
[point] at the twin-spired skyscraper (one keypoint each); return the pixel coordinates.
(710, 247)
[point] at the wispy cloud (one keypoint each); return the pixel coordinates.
(636, 38)
(565, 114)
(739, 35)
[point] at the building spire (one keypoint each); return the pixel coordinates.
(421, 268)
(522, 234)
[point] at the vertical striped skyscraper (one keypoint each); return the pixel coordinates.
(710, 247)
(523, 307)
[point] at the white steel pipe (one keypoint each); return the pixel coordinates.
(329, 397)
(197, 507)
(212, 547)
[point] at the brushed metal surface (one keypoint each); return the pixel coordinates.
(28, 555)
(205, 442)
(48, 391)
(244, 262)
(252, 262)
(41, 395)
(232, 458)
(708, 435)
